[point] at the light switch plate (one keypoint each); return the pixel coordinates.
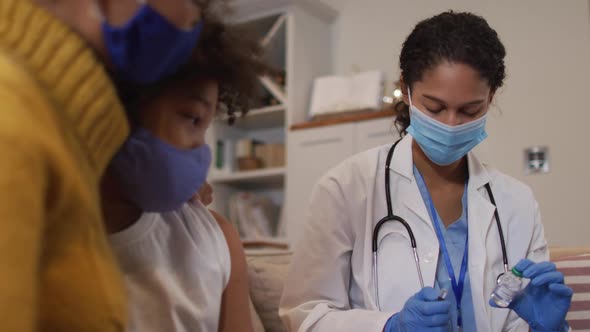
(536, 160)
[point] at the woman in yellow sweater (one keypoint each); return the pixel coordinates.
(60, 124)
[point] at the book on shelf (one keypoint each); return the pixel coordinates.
(246, 147)
(224, 155)
(253, 215)
(271, 155)
(248, 154)
(338, 94)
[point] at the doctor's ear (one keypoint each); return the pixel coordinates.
(491, 98)
(404, 88)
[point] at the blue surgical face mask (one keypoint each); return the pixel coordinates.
(148, 47)
(156, 176)
(444, 144)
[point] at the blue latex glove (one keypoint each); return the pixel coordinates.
(545, 301)
(423, 312)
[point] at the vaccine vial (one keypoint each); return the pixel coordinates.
(509, 285)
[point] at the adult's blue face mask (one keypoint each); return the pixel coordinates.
(156, 176)
(148, 47)
(444, 144)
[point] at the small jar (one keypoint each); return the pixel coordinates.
(509, 285)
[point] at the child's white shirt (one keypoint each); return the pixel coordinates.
(176, 266)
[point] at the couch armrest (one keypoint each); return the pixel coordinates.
(267, 270)
(574, 263)
(560, 252)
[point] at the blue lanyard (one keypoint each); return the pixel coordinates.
(457, 286)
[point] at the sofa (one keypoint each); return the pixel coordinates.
(267, 269)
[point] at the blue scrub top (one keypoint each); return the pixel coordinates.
(455, 237)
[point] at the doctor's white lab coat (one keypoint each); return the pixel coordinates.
(330, 286)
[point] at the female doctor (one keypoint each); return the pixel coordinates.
(455, 208)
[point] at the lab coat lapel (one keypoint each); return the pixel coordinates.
(408, 203)
(415, 203)
(402, 163)
(480, 219)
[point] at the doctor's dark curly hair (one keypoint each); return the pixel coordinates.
(456, 37)
(227, 54)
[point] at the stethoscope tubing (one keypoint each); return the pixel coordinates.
(391, 217)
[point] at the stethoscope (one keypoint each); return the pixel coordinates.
(392, 217)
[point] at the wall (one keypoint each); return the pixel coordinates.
(545, 100)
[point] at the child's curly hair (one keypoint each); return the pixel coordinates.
(225, 53)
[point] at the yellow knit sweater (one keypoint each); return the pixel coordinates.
(60, 123)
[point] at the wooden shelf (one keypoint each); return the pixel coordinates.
(268, 177)
(264, 244)
(262, 118)
(345, 118)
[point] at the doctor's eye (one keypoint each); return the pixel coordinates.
(472, 112)
(435, 110)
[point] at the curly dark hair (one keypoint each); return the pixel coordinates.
(226, 53)
(458, 37)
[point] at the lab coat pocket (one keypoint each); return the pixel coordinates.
(397, 276)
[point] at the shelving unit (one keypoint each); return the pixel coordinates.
(263, 118)
(262, 178)
(296, 35)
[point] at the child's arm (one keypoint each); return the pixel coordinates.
(235, 304)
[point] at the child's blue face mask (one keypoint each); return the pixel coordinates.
(444, 144)
(156, 176)
(148, 47)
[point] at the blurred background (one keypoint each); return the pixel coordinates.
(338, 62)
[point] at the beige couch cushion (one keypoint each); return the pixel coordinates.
(561, 252)
(266, 273)
(256, 322)
(575, 265)
(267, 270)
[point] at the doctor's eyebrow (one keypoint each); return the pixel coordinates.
(475, 102)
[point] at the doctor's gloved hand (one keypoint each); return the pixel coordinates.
(423, 312)
(546, 300)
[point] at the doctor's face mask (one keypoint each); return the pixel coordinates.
(452, 117)
(444, 144)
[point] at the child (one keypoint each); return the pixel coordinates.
(184, 265)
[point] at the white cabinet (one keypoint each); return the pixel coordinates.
(370, 134)
(312, 152)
